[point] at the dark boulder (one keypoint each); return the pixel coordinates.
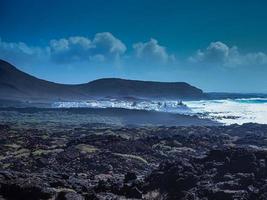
(24, 192)
(243, 161)
(130, 176)
(134, 193)
(69, 196)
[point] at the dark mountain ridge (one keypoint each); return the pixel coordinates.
(17, 85)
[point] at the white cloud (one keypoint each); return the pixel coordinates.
(20, 52)
(259, 57)
(104, 46)
(221, 54)
(152, 51)
(106, 43)
(70, 49)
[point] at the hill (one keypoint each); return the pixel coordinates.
(17, 85)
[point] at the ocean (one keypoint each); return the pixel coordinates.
(232, 111)
(226, 111)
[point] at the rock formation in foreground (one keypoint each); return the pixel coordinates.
(99, 162)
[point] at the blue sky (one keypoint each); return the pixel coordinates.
(213, 44)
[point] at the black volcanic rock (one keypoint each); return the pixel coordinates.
(130, 176)
(17, 85)
(101, 162)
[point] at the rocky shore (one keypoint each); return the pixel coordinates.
(97, 161)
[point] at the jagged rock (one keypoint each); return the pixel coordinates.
(24, 192)
(134, 193)
(242, 160)
(4, 127)
(69, 196)
(174, 178)
(130, 176)
(228, 195)
(189, 163)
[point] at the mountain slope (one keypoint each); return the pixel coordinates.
(17, 85)
(122, 87)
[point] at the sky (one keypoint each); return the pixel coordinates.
(216, 45)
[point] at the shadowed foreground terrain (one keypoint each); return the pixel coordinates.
(101, 161)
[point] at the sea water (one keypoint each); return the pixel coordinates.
(231, 111)
(150, 105)
(227, 111)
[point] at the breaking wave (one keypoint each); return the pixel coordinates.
(227, 111)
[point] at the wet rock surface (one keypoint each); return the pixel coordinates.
(96, 161)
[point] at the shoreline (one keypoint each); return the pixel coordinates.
(115, 116)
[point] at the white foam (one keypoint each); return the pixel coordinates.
(238, 111)
(163, 106)
(225, 111)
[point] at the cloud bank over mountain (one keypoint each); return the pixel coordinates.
(21, 52)
(105, 55)
(224, 55)
(103, 47)
(152, 51)
(106, 48)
